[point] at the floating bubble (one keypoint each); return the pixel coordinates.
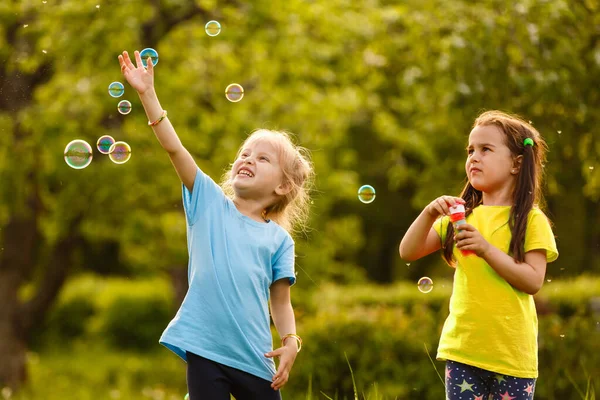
(425, 285)
(148, 52)
(212, 28)
(104, 142)
(124, 107)
(187, 397)
(234, 92)
(366, 194)
(78, 154)
(116, 89)
(119, 152)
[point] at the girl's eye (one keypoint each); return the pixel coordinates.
(486, 148)
(264, 158)
(470, 151)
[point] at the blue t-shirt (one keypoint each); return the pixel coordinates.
(233, 260)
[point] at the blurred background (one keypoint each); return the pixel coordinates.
(93, 261)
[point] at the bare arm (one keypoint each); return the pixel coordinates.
(142, 80)
(285, 322)
(528, 276)
(421, 239)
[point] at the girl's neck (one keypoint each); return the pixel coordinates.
(250, 209)
(497, 199)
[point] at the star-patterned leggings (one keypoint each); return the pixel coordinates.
(466, 382)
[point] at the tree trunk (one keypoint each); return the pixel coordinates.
(12, 341)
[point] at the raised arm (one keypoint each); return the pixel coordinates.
(421, 239)
(142, 80)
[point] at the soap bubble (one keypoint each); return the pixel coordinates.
(234, 92)
(116, 89)
(119, 152)
(148, 52)
(366, 194)
(78, 154)
(425, 285)
(124, 107)
(212, 28)
(103, 144)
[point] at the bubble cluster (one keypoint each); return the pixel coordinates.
(78, 154)
(234, 92)
(366, 194)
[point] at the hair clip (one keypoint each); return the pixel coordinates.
(528, 142)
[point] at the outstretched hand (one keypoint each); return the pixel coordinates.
(140, 78)
(287, 356)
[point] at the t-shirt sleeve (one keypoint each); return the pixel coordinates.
(441, 227)
(283, 264)
(204, 192)
(539, 235)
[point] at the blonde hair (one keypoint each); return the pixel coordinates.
(291, 211)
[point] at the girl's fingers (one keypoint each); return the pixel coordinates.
(138, 59)
(150, 67)
(444, 205)
(127, 60)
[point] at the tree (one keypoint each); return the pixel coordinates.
(381, 93)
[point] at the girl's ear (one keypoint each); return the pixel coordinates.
(517, 162)
(284, 188)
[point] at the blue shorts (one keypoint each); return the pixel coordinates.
(209, 380)
(467, 382)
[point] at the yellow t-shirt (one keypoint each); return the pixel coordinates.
(491, 324)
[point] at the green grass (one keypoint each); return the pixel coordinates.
(87, 371)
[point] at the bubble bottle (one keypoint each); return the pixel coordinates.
(457, 217)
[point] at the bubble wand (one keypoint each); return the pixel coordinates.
(457, 217)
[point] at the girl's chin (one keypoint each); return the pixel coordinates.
(476, 185)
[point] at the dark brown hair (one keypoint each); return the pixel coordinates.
(528, 188)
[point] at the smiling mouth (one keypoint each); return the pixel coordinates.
(245, 172)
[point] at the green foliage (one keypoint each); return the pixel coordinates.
(388, 335)
(135, 322)
(90, 371)
(383, 93)
(122, 313)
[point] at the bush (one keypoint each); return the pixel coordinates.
(124, 313)
(390, 335)
(135, 321)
